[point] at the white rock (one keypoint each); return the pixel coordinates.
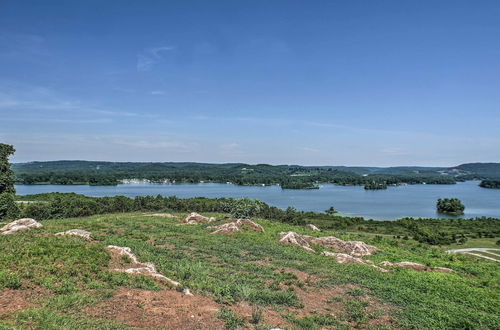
(20, 225)
(143, 268)
(76, 232)
(195, 218)
(234, 226)
(313, 227)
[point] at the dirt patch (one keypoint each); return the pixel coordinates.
(301, 276)
(269, 315)
(159, 309)
(12, 301)
(332, 301)
(262, 262)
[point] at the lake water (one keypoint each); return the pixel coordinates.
(393, 203)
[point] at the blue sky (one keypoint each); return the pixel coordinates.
(263, 81)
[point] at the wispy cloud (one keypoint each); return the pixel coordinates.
(151, 56)
(157, 92)
(308, 149)
(18, 97)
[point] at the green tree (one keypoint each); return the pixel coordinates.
(8, 207)
(330, 211)
(451, 206)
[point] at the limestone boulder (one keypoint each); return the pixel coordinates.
(76, 232)
(236, 225)
(343, 258)
(195, 218)
(353, 248)
(295, 239)
(313, 227)
(137, 267)
(20, 225)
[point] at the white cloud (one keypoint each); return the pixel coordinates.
(151, 56)
(157, 92)
(16, 97)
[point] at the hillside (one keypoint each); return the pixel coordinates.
(109, 173)
(245, 279)
(481, 170)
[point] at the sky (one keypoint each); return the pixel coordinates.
(373, 83)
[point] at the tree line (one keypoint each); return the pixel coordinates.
(288, 177)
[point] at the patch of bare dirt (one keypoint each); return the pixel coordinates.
(167, 309)
(330, 301)
(12, 301)
(269, 315)
(301, 276)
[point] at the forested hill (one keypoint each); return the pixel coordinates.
(288, 176)
(481, 170)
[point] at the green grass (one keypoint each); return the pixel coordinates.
(476, 243)
(240, 267)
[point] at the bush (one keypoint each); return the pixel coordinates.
(8, 206)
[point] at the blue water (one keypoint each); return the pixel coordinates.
(393, 203)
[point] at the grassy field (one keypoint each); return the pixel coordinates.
(477, 243)
(244, 280)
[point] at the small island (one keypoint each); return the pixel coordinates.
(298, 185)
(451, 206)
(491, 183)
(375, 186)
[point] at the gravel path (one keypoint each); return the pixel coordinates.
(470, 251)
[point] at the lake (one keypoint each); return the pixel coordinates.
(393, 203)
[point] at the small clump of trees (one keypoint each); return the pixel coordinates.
(8, 206)
(491, 183)
(452, 206)
(375, 185)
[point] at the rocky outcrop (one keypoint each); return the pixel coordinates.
(142, 268)
(195, 218)
(76, 232)
(236, 225)
(313, 227)
(295, 239)
(353, 248)
(415, 266)
(343, 258)
(20, 225)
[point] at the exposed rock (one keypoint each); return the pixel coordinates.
(343, 258)
(417, 267)
(235, 225)
(353, 248)
(137, 267)
(195, 218)
(162, 215)
(313, 227)
(20, 225)
(295, 239)
(76, 232)
(443, 270)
